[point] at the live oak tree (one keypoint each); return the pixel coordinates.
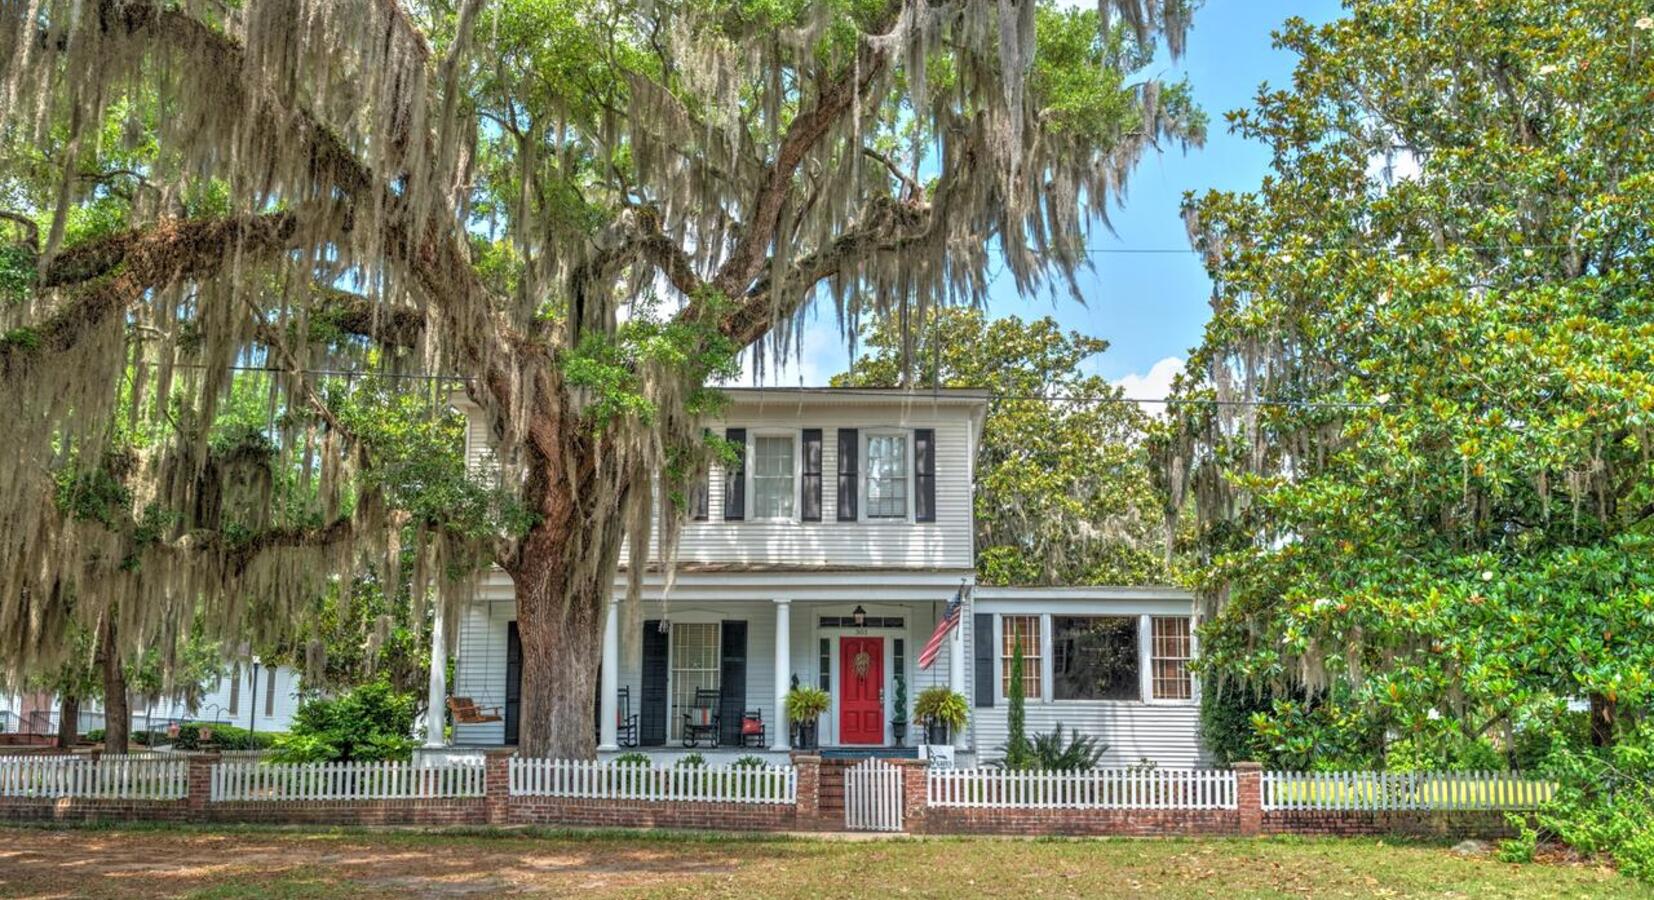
(1064, 490)
(581, 211)
(1424, 480)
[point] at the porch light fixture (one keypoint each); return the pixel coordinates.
(859, 616)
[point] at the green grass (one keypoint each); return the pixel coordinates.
(262, 862)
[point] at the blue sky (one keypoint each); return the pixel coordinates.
(1149, 306)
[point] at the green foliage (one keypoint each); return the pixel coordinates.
(1439, 516)
(1018, 753)
(689, 760)
(1448, 752)
(1604, 802)
(633, 758)
(899, 716)
(17, 274)
(1519, 849)
(1064, 490)
(941, 704)
(1080, 753)
(219, 736)
(369, 722)
(748, 762)
(806, 704)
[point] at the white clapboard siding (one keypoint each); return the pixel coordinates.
(594, 780)
(945, 543)
(241, 782)
(1165, 733)
(873, 796)
(480, 664)
(1383, 791)
(1095, 789)
(116, 778)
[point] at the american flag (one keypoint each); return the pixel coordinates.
(950, 619)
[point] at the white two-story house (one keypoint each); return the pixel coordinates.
(827, 557)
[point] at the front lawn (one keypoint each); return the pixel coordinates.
(277, 863)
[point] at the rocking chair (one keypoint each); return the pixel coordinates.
(466, 712)
(701, 719)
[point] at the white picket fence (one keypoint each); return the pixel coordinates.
(1095, 789)
(873, 796)
(239, 782)
(111, 778)
(1379, 791)
(633, 781)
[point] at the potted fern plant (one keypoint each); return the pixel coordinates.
(805, 705)
(942, 711)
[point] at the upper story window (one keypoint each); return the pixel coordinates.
(774, 491)
(887, 476)
(1095, 658)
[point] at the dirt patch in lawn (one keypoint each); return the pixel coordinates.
(264, 863)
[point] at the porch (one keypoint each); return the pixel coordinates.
(703, 665)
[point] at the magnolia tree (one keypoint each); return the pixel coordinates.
(579, 211)
(1422, 473)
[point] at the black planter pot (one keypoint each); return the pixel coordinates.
(936, 733)
(898, 730)
(804, 735)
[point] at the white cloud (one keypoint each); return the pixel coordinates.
(1152, 385)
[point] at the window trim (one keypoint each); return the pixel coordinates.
(1002, 661)
(1188, 665)
(1142, 655)
(866, 469)
(792, 434)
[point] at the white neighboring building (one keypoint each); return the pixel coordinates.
(828, 555)
(264, 704)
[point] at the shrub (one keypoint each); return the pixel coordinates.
(749, 762)
(691, 759)
(95, 736)
(633, 758)
(1080, 753)
(1443, 753)
(1604, 801)
(1018, 753)
(368, 722)
(1519, 849)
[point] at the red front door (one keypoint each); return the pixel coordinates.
(861, 690)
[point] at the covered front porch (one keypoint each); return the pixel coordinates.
(720, 656)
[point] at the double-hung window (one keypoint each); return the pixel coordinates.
(888, 471)
(1020, 631)
(774, 482)
(1169, 662)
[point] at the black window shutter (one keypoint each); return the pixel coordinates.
(735, 477)
(651, 720)
(924, 474)
(513, 683)
(849, 445)
(809, 484)
(732, 683)
(982, 641)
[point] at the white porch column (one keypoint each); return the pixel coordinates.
(609, 707)
(783, 671)
(956, 670)
(436, 702)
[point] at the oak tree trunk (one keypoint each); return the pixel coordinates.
(117, 716)
(68, 721)
(560, 633)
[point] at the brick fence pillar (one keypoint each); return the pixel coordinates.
(198, 786)
(914, 798)
(497, 788)
(808, 806)
(1249, 797)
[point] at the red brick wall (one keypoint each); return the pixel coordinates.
(1121, 822)
(29, 809)
(1352, 823)
(429, 811)
(583, 813)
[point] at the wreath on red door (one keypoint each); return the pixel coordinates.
(862, 663)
